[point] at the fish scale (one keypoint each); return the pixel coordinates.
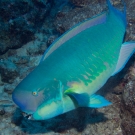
(86, 54)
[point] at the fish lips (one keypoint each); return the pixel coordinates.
(28, 116)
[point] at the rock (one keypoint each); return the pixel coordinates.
(36, 49)
(2, 111)
(20, 20)
(8, 71)
(19, 59)
(80, 3)
(51, 39)
(8, 88)
(128, 109)
(17, 117)
(3, 48)
(65, 20)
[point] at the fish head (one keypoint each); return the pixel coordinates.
(26, 99)
(29, 96)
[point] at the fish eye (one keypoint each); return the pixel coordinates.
(35, 93)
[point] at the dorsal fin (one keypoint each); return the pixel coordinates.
(120, 14)
(74, 31)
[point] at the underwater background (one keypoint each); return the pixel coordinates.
(27, 28)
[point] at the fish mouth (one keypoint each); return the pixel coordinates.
(27, 116)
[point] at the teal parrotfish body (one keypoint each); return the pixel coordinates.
(76, 66)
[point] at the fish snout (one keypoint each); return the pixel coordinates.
(24, 101)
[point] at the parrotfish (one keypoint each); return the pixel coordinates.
(76, 66)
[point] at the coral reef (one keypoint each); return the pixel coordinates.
(19, 21)
(128, 103)
(8, 71)
(27, 28)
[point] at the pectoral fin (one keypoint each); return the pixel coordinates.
(97, 101)
(127, 49)
(81, 99)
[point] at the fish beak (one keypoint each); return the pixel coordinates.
(25, 101)
(27, 116)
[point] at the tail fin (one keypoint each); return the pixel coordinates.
(121, 14)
